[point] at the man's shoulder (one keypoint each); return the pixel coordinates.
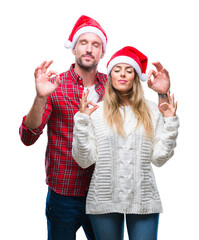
(102, 76)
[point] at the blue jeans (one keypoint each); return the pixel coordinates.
(111, 226)
(65, 215)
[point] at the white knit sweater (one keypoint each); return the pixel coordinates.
(123, 179)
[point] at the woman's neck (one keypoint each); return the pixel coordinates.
(124, 99)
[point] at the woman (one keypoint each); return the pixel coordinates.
(122, 136)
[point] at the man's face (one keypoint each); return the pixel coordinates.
(88, 51)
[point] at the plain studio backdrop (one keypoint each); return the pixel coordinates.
(34, 31)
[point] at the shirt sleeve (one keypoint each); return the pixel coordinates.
(84, 149)
(29, 136)
(166, 133)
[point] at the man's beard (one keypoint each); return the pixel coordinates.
(84, 66)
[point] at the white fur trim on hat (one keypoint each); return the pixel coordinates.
(87, 30)
(130, 61)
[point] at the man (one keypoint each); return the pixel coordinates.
(56, 102)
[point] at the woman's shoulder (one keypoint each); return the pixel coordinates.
(101, 103)
(153, 106)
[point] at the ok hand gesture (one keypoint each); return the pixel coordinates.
(44, 87)
(161, 81)
(168, 109)
(84, 104)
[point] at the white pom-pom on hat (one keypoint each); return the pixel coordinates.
(144, 77)
(67, 44)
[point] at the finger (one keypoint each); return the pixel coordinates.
(83, 97)
(149, 83)
(151, 72)
(164, 105)
(51, 72)
(165, 72)
(91, 103)
(42, 64)
(46, 66)
(158, 66)
(170, 98)
(173, 101)
(80, 102)
(162, 110)
(176, 106)
(86, 94)
(39, 67)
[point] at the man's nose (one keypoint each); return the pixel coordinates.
(89, 47)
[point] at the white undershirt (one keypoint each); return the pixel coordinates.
(93, 95)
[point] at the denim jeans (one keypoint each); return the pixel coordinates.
(65, 215)
(111, 226)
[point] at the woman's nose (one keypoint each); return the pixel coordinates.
(122, 73)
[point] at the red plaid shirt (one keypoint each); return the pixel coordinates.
(63, 174)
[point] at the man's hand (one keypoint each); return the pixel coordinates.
(44, 87)
(84, 108)
(161, 81)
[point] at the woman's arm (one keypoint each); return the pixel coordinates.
(165, 133)
(84, 148)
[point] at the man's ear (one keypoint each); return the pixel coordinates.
(102, 55)
(74, 51)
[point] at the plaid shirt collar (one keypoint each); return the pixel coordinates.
(77, 79)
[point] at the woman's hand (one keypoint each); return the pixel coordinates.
(168, 109)
(84, 108)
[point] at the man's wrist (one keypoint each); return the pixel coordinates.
(163, 95)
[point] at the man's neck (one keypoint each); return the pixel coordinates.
(88, 76)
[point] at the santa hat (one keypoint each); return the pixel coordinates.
(86, 25)
(131, 56)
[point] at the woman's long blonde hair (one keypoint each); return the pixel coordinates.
(112, 102)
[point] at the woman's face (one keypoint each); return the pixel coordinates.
(122, 76)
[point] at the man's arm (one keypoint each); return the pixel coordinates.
(160, 83)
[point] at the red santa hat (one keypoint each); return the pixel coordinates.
(131, 56)
(84, 25)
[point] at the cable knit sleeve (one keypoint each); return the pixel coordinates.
(84, 148)
(164, 142)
